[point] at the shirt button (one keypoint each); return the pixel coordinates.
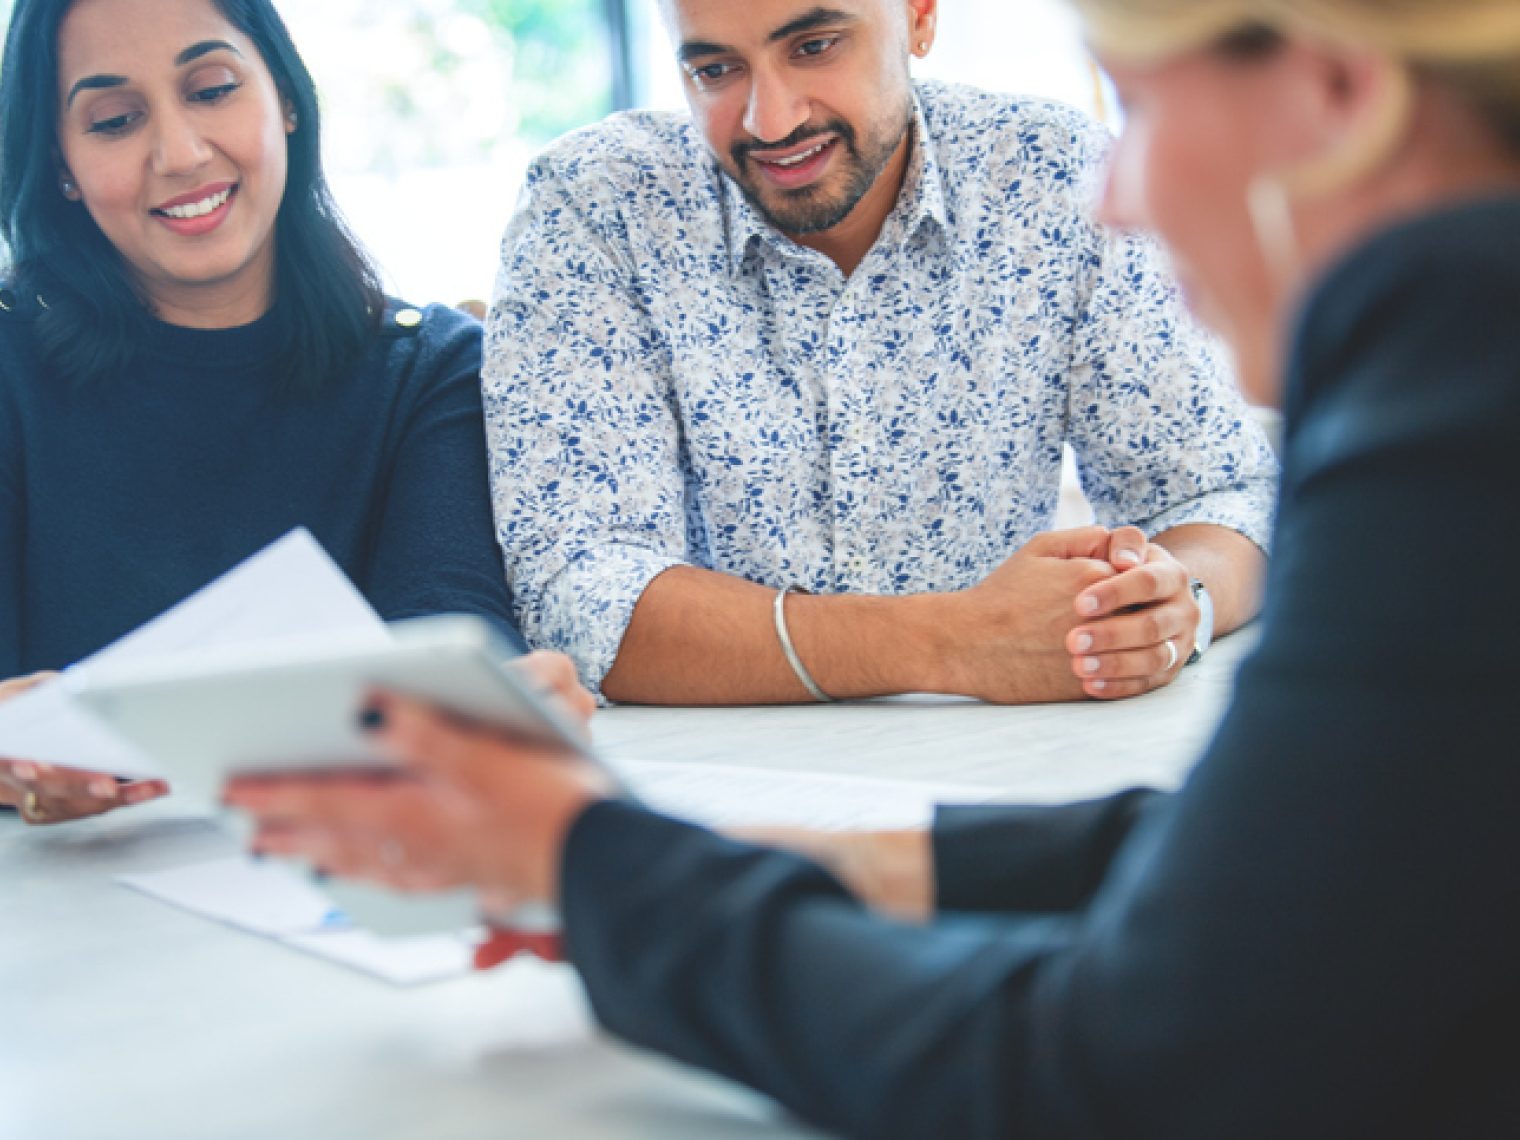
(408, 318)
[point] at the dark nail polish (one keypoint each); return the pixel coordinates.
(371, 719)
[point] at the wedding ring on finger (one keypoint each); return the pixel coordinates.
(31, 809)
(1171, 656)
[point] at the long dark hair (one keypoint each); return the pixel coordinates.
(91, 316)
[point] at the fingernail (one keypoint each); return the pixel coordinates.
(1091, 664)
(1132, 557)
(104, 789)
(1098, 686)
(1088, 605)
(371, 719)
(1084, 642)
(24, 771)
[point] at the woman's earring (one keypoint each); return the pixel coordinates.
(291, 120)
(70, 191)
(1271, 215)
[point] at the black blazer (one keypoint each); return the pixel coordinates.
(1318, 935)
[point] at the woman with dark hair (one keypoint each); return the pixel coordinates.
(195, 356)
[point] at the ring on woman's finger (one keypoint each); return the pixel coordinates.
(392, 854)
(1171, 656)
(31, 809)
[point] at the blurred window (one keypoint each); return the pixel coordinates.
(1025, 46)
(433, 108)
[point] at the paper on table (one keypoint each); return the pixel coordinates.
(273, 900)
(408, 961)
(263, 898)
(722, 796)
(291, 588)
(277, 902)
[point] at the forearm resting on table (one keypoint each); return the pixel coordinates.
(702, 638)
(889, 871)
(1227, 562)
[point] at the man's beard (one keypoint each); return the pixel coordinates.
(812, 209)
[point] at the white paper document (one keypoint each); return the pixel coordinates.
(261, 897)
(722, 796)
(289, 589)
(277, 902)
(272, 900)
(293, 589)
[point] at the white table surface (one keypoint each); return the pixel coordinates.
(123, 1017)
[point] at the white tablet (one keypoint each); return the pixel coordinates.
(294, 704)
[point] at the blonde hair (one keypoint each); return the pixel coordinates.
(1471, 46)
(1431, 30)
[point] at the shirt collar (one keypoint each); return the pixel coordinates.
(921, 200)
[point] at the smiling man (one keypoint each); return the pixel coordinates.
(777, 392)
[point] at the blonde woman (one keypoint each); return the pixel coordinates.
(1318, 934)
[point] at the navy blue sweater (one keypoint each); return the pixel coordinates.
(117, 499)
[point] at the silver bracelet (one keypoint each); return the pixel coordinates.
(791, 653)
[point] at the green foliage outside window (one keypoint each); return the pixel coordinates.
(561, 75)
(537, 68)
(448, 82)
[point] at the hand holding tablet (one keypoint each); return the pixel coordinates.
(467, 808)
(295, 704)
(362, 758)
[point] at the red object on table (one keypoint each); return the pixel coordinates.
(502, 945)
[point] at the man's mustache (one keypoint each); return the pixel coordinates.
(741, 151)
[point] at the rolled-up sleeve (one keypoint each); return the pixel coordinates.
(1163, 437)
(586, 476)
